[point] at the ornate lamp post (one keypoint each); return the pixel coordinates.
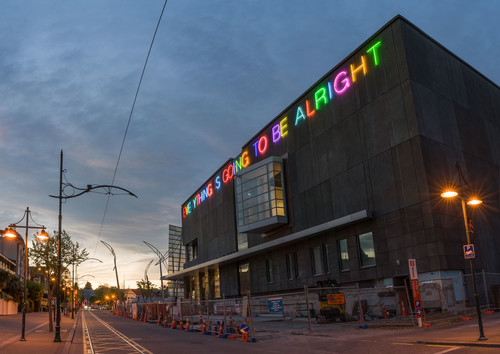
(42, 236)
(462, 190)
(71, 192)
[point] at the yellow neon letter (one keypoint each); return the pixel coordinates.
(355, 70)
(284, 127)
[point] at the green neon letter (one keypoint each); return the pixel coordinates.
(300, 115)
(373, 49)
(319, 96)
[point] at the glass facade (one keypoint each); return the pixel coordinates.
(260, 196)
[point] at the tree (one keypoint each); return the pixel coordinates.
(46, 255)
(35, 293)
(11, 288)
(88, 285)
(146, 288)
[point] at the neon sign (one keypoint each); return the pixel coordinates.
(337, 85)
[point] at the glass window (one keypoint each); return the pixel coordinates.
(296, 265)
(260, 201)
(244, 273)
(289, 267)
(326, 267)
(316, 260)
(343, 254)
(269, 271)
(192, 250)
(366, 250)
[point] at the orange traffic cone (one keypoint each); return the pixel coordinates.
(173, 322)
(403, 309)
(187, 325)
(204, 328)
(165, 324)
(180, 324)
(221, 330)
(159, 321)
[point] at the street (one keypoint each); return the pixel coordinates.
(99, 331)
(116, 334)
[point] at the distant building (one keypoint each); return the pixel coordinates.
(175, 261)
(345, 182)
(13, 250)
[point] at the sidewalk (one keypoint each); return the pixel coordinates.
(38, 338)
(463, 333)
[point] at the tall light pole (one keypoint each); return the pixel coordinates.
(42, 236)
(72, 192)
(160, 261)
(465, 190)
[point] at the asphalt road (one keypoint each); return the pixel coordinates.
(113, 334)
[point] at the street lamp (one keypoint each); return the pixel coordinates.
(161, 258)
(72, 192)
(42, 236)
(461, 190)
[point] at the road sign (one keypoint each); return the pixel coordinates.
(469, 251)
(244, 328)
(412, 264)
(276, 305)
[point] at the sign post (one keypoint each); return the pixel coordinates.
(416, 291)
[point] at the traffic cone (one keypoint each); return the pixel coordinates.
(187, 325)
(159, 321)
(165, 324)
(204, 328)
(180, 324)
(403, 309)
(221, 330)
(173, 322)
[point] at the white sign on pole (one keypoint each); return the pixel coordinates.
(413, 269)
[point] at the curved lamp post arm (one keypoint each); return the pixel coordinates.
(114, 259)
(159, 254)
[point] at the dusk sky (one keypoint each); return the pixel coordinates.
(219, 71)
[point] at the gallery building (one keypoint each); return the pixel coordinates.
(345, 183)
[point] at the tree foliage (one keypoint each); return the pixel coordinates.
(146, 288)
(88, 285)
(35, 293)
(45, 254)
(11, 288)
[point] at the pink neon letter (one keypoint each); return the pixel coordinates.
(345, 82)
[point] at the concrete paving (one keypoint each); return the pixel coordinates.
(38, 338)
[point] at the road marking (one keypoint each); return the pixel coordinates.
(440, 345)
(402, 343)
(448, 350)
(368, 340)
(127, 340)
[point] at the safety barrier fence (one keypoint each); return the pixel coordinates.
(316, 309)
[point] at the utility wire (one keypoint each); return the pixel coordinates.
(129, 119)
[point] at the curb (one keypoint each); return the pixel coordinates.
(463, 344)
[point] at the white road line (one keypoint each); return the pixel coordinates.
(127, 340)
(448, 350)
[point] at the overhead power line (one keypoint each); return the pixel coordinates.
(129, 120)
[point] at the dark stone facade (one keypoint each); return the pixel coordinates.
(386, 145)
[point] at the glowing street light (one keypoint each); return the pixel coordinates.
(473, 200)
(42, 236)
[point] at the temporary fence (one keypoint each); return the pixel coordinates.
(316, 309)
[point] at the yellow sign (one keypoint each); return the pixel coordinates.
(335, 299)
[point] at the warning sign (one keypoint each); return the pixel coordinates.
(335, 299)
